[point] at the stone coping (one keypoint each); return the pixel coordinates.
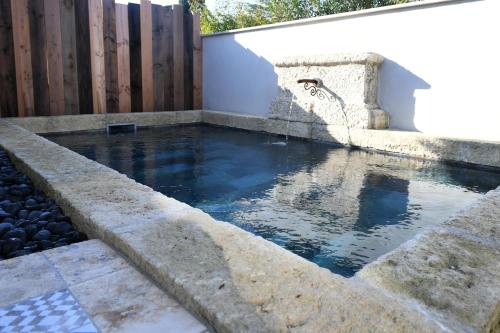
(238, 282)
(86, 122)
(330, 59)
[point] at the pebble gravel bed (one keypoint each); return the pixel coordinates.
(29, 220)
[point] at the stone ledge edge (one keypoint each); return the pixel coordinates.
(330, 59)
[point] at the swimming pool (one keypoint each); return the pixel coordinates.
(337, 207)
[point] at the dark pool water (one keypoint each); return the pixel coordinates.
(337, 207)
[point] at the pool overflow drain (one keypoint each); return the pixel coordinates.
(121, 128)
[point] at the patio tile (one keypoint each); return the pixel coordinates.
(128, 302)
(53, 312)
(27, 277)
(85, 261)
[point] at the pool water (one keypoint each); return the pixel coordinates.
(337, 207)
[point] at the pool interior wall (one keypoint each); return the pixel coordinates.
(339, 208)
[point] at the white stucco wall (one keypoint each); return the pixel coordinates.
(440, 75)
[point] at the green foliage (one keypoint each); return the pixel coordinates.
(237, 14)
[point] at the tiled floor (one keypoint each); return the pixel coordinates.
(85, 287)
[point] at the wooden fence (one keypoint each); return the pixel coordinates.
(62, 57)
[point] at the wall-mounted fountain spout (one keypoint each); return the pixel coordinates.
(316, 82)
(316, 88)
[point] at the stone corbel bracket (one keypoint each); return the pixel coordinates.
(351, 78)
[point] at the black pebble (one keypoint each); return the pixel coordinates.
(34, 215)
(9, 220)
(44, 244)
(5, 227)
(15, 233)
(31, 204)
(61, 228)
(42, 235)
(44, 215)
(13, 208)
(22, 223)
(11, 245)
(23, 213)
(31, 230)
(4, 214)
(42, 224)
(21, 190)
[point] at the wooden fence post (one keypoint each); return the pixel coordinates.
(110, 55)
(69, 52)
(197, 64)
(123, 58)
(22, 54)
(178, 56)
(54, 56)
(8, 90)
(147, 57)
(98, 69)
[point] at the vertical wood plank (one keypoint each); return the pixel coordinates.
(39, 58)
(54, 57)
(169, 50)
(85, 97)
(98, 70)
(197, 64)
(135, 56)
(110, 56)
(188, 61)
(147, 57)
(8, 100)
(162, 48)
(22, 54)
(69, 56)
(123, 58)
(158, 61)
(178, 56)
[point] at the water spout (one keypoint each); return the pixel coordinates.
(316, 82)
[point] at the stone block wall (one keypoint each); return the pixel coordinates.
(346, 95)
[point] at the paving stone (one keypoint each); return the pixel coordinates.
(25, 277)
(85, 261)
(127, 302)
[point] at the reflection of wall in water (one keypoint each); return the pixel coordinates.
(383, 200)
(334, 183)
(363, 191)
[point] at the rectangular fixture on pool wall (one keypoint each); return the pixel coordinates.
(121, 128)
(334, 89)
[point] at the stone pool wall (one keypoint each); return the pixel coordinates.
(447, 279)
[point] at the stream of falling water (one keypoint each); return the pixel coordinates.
(289, 117)
(284, 143)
